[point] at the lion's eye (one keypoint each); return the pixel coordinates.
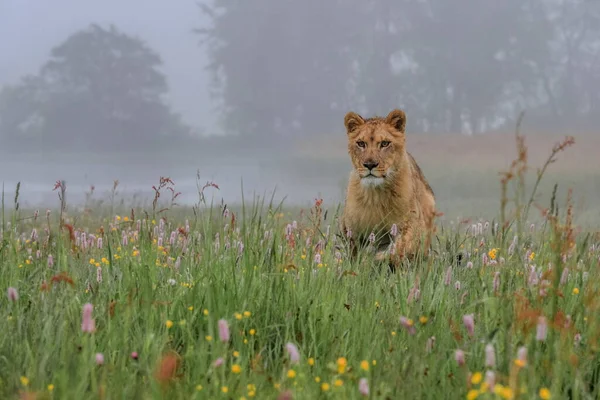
(385, 143)
(361, 144)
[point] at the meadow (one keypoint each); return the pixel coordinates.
(260, 300)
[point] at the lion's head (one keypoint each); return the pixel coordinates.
(376, 145)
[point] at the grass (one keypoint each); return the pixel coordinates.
(160, 282)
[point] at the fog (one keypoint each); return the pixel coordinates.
(256, 92)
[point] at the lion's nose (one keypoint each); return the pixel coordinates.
(370, 165)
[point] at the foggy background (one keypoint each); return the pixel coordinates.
(257, 91)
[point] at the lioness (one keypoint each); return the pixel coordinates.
(386, 188)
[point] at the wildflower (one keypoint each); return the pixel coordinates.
(88, 324)
(521, 360)
(531, 256)
(484, 259)
(291, 374)
(338, 383)
(394, 230)
(575, 290)
(208, 338)
(218, 362)
(372, 238)
(448, 277)
(99, 275)
(293, 353)
(408, 324)
(13, 294)
(311, 361)
(492, 253)
(490, 356)
(476, 378)
(169, 324)
(252, 332)
(430, 344)
(224, 389)
(223, 330)
(247, 314)
(341, 364)
(490, 378)
(24, 381)
(423, 319)
(50, 387)
(99, 358)
(237, 316)
(50, 261)
(363, 386)
(317, 258)
(496, 282)
(459, 356)
(325, 386)
(236, 354)
(205, 312)
(544, 393)
(542, 329)
(236, 369)
(472, 394)
(364, 365)
(469, 322)
(564, 276)
(470, 265)
(134, 355)
(457, 285)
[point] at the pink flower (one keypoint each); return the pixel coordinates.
(490, 379)
(363, 386)
(448, 277)
(99, 243)
(469, 322)
(223, 330)
(542, 329)
(457, 285)
(459, 356)
(99, 359)
(522, 354)
(317, 258)
(218, 362)
(408, 324)
(134, 355)
(293, 352)
(88, 324)
(50, 261)
(13, 295)
(394, 230)
(490, 356)
(496, 282)
(470, 265)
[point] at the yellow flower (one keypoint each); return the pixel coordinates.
(364, 365)
(472, 395)
(97, 265)
(247, 314)
(92, 261)
(236, 354)
(236, 369)
(199, 387)
(169, 324)
(237, 315)
(224, 389)
(338, 382)
(118, 218)
(125, 219)
(135, 253)
(519, 363)
(341, 364)
(311, 361)
(393, 333)
(291, 374)
(545, 393)
(325, 386)
(374, 362)
(24, 381)
(507, 393)
(532, 256)
(575, 290)
(104, 260)
(191, 308)
(303, 256)
(50, 387)
(182, 322)
(205, 312)
(492, 253)
(423, 319)
(252, 332)
(317, 379)
(208, 338)
(476, 378)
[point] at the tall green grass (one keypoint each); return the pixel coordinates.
(278, 277)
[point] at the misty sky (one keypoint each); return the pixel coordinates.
(30, 28)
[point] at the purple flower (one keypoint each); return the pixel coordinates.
(223, 330)
(459, 356)
(293, 353)
(99, 359)
(542, 329)
(490, 356)
(88, 325)
(13, 294)
(363, 386)
(469, 322)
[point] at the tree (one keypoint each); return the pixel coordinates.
(101, 89)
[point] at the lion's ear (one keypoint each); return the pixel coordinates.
(397, 119)
(353, 121)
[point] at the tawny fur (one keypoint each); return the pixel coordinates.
(396, 192)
